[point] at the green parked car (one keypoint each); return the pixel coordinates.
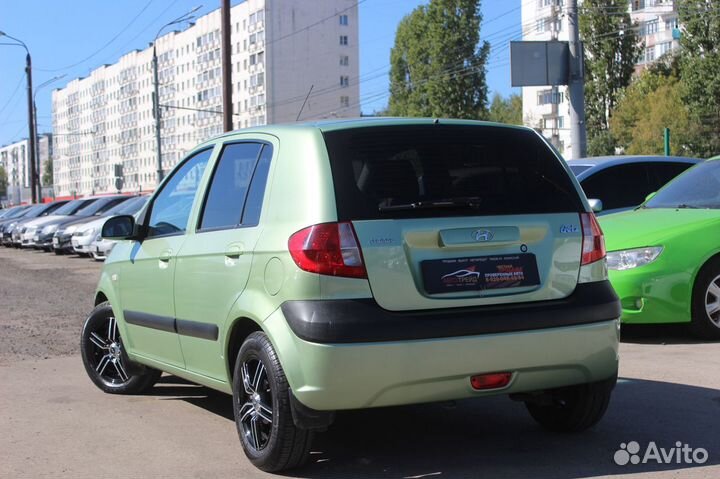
(312, 268)
(664, 256)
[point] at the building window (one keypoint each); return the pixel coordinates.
(344, 60)
(343, 40)
(671, 23)
(546, 97)
(344, 101)
(665, 47)
(649, 28)
(344, 81)
(649, 54)
(343, 19)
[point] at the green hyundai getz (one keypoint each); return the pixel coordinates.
(312, 268)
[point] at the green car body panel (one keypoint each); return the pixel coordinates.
(237, 280)
(661, 291)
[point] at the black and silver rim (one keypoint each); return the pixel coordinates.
(105, 353)
(255, 404)
(712, 302)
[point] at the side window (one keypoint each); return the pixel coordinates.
(664, 172)
(622, 186)
(253, 204)
(229, 186)
(170, 209)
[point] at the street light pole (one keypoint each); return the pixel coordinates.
(156, 91)
(576, 87)
(37, 137)
(31, 121)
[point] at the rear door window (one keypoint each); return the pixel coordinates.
(621, 186)
(445, 170)
(229, 186)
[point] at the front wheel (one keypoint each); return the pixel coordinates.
(261, 403)
(705, 321)
(573, 408)
(105, 360)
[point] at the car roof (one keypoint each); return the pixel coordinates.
(606, 161)
(348, 123)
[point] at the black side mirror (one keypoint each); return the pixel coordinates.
(119, 228)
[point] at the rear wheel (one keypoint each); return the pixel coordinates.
(105, 360)
(573, 408)
(261, 402)
(705, 322)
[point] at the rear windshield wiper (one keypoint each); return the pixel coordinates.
(470, 202)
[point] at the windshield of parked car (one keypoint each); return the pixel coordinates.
(577, 169)
(33, 211)
(15, 213)
(71, 207)
(698, 187)
(129, 207)
(100, 206)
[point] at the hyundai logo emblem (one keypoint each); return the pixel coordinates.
(483, 235)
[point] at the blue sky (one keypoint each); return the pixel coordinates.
(73, 37)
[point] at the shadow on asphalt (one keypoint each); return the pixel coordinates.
(495, 436)
(659, 334)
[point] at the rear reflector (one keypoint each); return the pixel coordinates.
(328, 248)
(593, 245)
(490, 381)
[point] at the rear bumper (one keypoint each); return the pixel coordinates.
(363, 320)
(353, 375)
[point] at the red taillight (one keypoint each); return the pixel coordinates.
(328, 248)
(490, 381)
(593, 245)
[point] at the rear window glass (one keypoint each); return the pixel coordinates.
(445, 170)
(577, 169)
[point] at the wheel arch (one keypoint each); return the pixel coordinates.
(100, 297)
(715, 255)
(239, 330)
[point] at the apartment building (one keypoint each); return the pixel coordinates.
(280, 49)
(15, 159)
(547, 108)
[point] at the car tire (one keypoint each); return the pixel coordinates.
(705, 314)
(573, 408)
(58, 251)
(105, 360)
(269, 437)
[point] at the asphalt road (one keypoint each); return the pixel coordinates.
(54, 422)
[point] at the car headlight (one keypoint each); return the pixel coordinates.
(50, 229)
(632, 258)
(86, 232)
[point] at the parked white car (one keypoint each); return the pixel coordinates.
(85, 236)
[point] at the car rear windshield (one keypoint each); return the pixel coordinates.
(698, 187)
(445, 170)
(577, 169)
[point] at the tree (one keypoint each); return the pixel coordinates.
(3, 182)
(612, 48)
(437, 62)
(650, 104)
(506, 110)
(47, 177)
(700, 65)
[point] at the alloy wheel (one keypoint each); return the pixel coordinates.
(106, 353)
(255, 404)
(712, 301)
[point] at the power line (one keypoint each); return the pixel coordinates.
(134, 19)
(12, 95)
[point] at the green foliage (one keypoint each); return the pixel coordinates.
(700, 64)
(652, 103)
(601, 144)
(611, 50)
(47, 177)
(438, 64)
(3, 181)
(506, 110)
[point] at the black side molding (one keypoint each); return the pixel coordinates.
(183, 327)
(363, 320)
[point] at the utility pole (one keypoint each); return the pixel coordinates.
(225, 32)
(34, 194)
(156, 114)
(555, 91)
(576, 87)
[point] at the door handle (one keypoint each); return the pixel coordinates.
(234, 251)
(165, 255)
